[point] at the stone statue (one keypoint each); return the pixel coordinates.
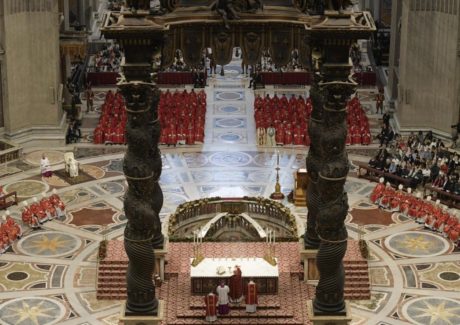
(338, 5)
(226, 9)
(254, 5)
(138, 4)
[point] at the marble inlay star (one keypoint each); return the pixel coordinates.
(31, 311)
(417, 244)
(50, 244)
(433, 310)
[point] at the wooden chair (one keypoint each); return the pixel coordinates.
(8, 200)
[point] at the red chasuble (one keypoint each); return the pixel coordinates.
(251, 297)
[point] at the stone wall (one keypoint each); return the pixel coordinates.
(31, 71)
(429, 66)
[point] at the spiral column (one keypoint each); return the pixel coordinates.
(314, 161)
(142, 225)
(331, 201)
(142, 167)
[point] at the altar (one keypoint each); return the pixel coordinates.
(207, 275)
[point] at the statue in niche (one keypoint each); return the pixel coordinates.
(317, 7)
(254, 5)
(338, 5)
(138, 4)
(229, 9)
(225, 9)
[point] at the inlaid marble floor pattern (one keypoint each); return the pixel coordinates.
(49, 276)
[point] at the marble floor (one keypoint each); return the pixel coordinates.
(49, 276)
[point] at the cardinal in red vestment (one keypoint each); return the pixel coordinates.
(236, 285)
(211, 307)
(251, 297)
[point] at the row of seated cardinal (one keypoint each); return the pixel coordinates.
(281, 121)
(10, 231)
(182, 117)
(39, 212)
(275, 110)
(283, 135)
(112, 123)
(433, 216)
(290, 120)
(358, 123)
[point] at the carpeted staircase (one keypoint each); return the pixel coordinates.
(288, 307)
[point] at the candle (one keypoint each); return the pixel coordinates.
(274, 236)
(277, 158)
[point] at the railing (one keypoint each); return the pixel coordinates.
(374, 174)
(9, 155)
(9, 152)
(274, 212)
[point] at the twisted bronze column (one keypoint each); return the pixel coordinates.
(327, 165)
(144, 199)
(333, 201)
(314, 161)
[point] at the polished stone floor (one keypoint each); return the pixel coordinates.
(49, 276)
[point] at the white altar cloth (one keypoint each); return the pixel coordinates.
(250, 267)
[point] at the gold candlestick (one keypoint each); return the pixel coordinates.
(277, 195)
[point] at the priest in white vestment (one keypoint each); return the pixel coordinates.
(45, 167)
(271, 133)
(222, 292)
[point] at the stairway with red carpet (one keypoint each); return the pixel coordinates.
(287, 307)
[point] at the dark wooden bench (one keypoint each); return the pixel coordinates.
(8, 200)
(396, 180)
(374, 174)
(450, 199)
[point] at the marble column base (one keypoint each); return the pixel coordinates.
(328, 319)
(310, 271)
(143, 320)
(160, 259)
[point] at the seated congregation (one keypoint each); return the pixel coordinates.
(280, 121)
(423, 160)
